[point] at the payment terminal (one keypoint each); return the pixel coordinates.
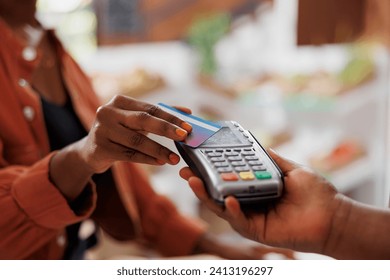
(233, 163)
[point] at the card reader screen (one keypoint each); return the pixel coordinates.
(223, 137)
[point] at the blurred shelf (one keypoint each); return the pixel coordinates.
(352, 175)
(345, 179)
(357, 98)
(338, 106)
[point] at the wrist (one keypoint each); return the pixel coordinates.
(81, 153)
(90, 157)
(73, 156)
(339, 223)
(69, 172)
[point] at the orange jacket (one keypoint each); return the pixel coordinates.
(33, 213)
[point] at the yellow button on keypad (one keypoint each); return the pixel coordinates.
(247, 176)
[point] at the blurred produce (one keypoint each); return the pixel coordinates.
(341, 155)
(203, 34)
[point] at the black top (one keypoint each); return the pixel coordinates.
(63, 128)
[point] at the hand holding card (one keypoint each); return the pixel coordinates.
(201, 129)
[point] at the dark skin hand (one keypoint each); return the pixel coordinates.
(118, 134)
(277, 227)
(311, 216)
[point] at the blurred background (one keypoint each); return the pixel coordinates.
(309, 79)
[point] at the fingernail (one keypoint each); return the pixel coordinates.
(174, 158)
(181, 132)
(186, 126)
(159, 161)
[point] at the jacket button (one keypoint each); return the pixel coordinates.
(28, 113)
(22, 82)
(61, 240)
(29, 53)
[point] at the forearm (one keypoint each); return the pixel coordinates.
(69, 172)
(359, 232)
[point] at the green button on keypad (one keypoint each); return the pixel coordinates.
(262, 175)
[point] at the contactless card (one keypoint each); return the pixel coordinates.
(201, 129)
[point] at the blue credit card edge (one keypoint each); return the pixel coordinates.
(190, 116)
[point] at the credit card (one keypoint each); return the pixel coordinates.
(201, 129)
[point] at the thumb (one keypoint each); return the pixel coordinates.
(284, 164)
